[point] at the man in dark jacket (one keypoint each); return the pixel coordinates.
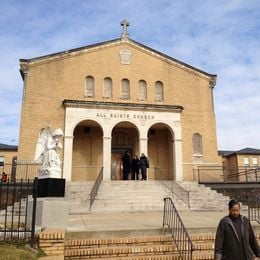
(126, 159)
(144, 162)
(235, 238)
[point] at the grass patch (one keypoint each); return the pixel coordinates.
(18, 251)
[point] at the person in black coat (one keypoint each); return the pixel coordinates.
(144, 165)
(126, 160)
(235, 239)
(135, 168)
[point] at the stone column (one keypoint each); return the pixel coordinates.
(67, 159)
(143, 146)
(107, 157)
(178, 159)
(144, 149)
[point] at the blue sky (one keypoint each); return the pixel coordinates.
(220, 37)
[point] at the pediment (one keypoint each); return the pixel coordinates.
(125, 56)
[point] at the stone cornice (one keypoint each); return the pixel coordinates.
(121, 105)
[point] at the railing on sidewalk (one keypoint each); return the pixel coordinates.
(254, 209)
(17, 218)
(172, 220)
(20, 170)
(95, 188)
(173, 186)
(213, 174)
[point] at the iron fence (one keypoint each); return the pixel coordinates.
(15, 223)
(20, 170)
(172, 220)
(254, 209)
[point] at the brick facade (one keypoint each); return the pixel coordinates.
(50, 80)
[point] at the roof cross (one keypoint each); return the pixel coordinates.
(125, 24)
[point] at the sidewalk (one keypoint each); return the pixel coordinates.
(194, 221)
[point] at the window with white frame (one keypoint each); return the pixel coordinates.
(2, 160)
(254, 161)
(142, 90)
(246, 161)
(197, 144)
(107, 88)
(90, 86)
(125, 89)
(158, 91)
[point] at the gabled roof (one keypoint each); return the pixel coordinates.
(247, 150)
(115, 42)
(8, 147)
(225, 153)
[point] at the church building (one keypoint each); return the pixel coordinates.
(117, 96)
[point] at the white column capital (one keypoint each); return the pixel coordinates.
(68, 136)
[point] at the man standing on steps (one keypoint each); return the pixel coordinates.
(235, 239)
(126, 160)
(144, 165)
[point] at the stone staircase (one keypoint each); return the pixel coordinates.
(77, 194)
(140, 196)
(133, 196)
(19, 208)
(203, 198)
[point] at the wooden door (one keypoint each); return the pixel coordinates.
(116, 166)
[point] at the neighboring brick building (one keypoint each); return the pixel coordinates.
(119, 95)
(7, 152)
(244, 158)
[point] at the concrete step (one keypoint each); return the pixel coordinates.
(113, 194)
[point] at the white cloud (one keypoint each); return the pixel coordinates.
(220, 37)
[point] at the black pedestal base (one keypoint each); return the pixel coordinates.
(51, 187)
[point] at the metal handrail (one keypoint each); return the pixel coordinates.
(174, 187)
(95, 188)
(254, 209)
(247, 175)
(202, 177)
(181, 238)
(243, 173)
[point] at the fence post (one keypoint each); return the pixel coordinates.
(35, 191)
(14, 166)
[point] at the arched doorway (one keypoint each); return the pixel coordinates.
(161, 152)
(125, 137)
(87, 159)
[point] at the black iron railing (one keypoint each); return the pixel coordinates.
(20, 170)
(15, 222)
(212, 174)
(254, 209)
(95, 188)
(172, 220)
(173, 186)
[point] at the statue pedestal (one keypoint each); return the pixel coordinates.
(50, 212)
(51, 187)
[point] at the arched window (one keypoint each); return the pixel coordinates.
(90, 86)
(197, 144)
(158, 91)
(107, 88)
(125, 89)
(142, 90)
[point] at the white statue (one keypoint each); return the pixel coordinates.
(48, 143)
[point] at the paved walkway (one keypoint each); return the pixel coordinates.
(94, 222)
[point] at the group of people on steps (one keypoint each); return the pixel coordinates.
(136, 166)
